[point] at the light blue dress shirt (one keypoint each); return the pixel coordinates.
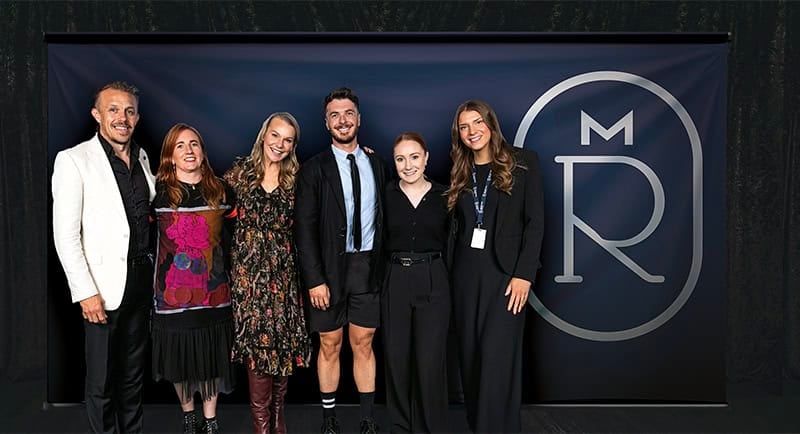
(368, 199)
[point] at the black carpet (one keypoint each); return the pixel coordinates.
(750, 409)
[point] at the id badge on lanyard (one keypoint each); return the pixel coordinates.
(478, 238)
(479, 233)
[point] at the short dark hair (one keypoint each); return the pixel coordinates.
(340, 93)
(118, 85)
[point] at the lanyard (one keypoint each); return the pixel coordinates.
(479, 205)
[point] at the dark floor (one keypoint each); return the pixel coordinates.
(750, 409)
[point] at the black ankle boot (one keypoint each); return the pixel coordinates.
(210, 426)
(189, 422)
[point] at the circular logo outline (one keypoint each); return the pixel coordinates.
(697, 202)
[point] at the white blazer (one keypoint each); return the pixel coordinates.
(90, 227)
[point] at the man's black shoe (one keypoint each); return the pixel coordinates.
(368, 427)
(330, 425)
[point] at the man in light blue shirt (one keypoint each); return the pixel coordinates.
(368, 196)
(338, 223)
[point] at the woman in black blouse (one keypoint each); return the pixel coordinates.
(415, 304)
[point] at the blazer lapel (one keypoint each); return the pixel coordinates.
(502, 200)
(148, 174)
(377, 172)
(106, 175)
(330, 171)
(503, 205)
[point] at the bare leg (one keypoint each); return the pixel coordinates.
(330, 344)
(187, 405)
(210, 407)
(363, 357)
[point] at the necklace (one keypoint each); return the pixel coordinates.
(415, 194)
(192, 186)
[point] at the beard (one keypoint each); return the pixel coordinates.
(342, 139)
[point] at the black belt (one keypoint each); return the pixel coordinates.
(409, 259)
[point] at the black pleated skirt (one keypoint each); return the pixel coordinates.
(193, 349)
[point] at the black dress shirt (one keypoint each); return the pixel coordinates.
(421, 229)
(135, 194)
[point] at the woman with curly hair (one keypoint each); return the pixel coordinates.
(496, 235)
(270, 330)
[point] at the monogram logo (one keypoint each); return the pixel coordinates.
(647, 189)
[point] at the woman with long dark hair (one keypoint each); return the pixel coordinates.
(271, 336)
(496, 235)
(192, 325)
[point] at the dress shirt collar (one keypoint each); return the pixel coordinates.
(342, 155)
(110, 150)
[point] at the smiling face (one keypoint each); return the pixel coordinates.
(342, 120)
(278, 140)
(475, 134)
(116, 113)
(410, 159)
(188, 155)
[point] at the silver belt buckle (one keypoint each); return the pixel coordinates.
(406, 262)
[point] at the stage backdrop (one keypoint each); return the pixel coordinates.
(630, 129)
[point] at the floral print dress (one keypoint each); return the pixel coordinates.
(270, 328)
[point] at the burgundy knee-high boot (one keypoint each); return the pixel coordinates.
(260, 400)
(279, 387)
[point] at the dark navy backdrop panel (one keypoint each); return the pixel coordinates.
(633, 279)
(629, 303)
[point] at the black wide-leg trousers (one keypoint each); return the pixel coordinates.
(490, 344)
(415, 318)
(116, 354)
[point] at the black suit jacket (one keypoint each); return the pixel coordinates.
(519, 228)
(320, 223)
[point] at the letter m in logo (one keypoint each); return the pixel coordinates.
(588, 123)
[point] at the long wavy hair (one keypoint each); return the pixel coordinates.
(253, 166)
(211, 187)
(503, 162)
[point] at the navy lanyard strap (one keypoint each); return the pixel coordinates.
(479, 205)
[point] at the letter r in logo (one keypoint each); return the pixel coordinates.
(571, 221)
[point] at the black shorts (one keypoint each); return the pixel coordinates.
(359, 304)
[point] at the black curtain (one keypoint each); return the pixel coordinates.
(763, 150)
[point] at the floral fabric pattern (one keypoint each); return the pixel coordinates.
(270, 327)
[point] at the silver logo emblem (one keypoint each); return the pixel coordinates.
(571, 221)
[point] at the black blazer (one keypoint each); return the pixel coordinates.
(519, 228)
(320, 223)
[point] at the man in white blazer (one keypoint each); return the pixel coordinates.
(102, 190)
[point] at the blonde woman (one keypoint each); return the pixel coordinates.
(270, 336)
